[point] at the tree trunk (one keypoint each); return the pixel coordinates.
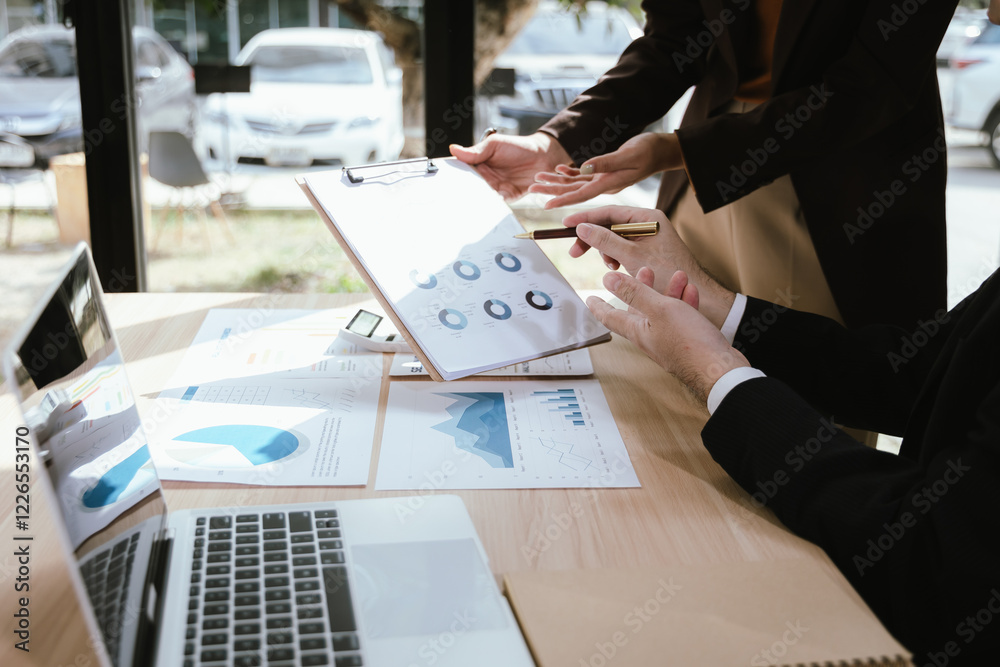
(497, 23)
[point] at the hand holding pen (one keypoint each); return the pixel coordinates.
(626, 230)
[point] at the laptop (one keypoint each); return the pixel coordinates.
(388, 581)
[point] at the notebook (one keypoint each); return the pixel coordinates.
(759, 614)
(436, 246)
(389, 581)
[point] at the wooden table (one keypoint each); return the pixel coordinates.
(687, 511)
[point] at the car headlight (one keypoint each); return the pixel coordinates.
(362, 121)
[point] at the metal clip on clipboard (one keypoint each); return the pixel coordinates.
(353, 178)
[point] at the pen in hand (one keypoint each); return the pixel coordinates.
(626, 230)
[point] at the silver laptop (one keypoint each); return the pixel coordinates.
(390, 581)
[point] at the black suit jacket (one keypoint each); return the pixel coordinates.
(854, 118)
(918, 534)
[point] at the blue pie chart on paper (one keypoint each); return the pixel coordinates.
(497, 309)
(234, 445)
(453, 319)
(507, 262)
(467, 270)
(539, 300)
(423, 280)
(121, 480)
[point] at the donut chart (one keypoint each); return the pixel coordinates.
(507, 262)
(423, 280)
(467, 270)
(538, 300)
(453, 319)
(491, 306)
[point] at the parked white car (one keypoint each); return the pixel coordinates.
(317, 95)
(975, 98)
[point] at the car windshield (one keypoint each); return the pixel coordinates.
(558, 34)
(310, 64)
(50, 59)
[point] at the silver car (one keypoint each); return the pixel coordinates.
(40, 94)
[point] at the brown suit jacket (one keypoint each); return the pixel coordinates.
(855, 119)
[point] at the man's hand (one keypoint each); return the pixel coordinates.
(509, 164)
(669, 328)
(639, 157)
(664, 253)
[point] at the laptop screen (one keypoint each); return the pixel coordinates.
(68, 373)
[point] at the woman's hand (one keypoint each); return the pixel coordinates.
(639, 157)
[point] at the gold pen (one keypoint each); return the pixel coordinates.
(627, 230)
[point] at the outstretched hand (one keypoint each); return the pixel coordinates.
(638, 158)
(509, 164)
(669, 328)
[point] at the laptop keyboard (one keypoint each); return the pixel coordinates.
(270, 589)
(107, 577)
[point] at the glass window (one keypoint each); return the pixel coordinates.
(564, 33)
(43, 58)
(306, 64)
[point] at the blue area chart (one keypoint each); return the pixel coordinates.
(235, 445)
(479, 425)
(121, 481)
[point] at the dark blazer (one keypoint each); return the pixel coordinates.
(918, 534)
(854, 118)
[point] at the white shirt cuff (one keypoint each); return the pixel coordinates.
(733, 318)
(726, 383)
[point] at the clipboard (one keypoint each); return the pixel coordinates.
(365, 276)
(475, 298)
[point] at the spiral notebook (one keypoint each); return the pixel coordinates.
(436, 246)
(766, 613)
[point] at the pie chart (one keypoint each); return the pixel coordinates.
(423, 280)
(235, 446)
(507, 262)
(467, 270)
(538, 300)
(453, 319)
(497, 309)
(121, 480)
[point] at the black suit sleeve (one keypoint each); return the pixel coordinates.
(820, 358)
(878, 80)
(647, 80)
(916, 540)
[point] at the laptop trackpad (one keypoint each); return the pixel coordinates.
(423, 588)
